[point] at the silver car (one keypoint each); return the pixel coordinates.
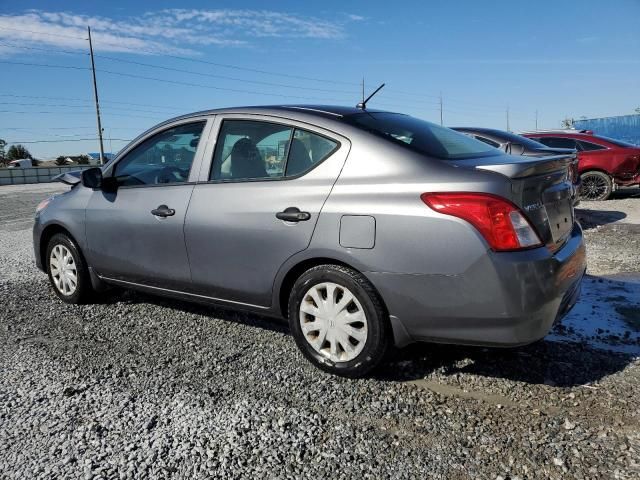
(363, 228)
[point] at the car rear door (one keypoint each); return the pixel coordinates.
(257, 203)
(136, 233)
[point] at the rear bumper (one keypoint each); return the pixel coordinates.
(504, 299)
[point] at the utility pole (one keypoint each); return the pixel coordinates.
(536, 120)
(441, 122)
(362, 89)
(508, 129)
(95, 96)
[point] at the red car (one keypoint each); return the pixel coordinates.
(603, 163)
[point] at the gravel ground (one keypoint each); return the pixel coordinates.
(143, 387)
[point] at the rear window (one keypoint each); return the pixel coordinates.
(421, 136)
(619, 143)
(558, 142)
(519, 139)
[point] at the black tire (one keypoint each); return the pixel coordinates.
(378, 329)
(595, 186)
(83, 290)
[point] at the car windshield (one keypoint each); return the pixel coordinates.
(421, 136)
(619, 143)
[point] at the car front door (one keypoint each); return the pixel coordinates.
(135, 232)
(257, 203)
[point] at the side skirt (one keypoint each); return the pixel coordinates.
(190, 297)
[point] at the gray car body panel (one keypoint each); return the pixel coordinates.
(435, 273)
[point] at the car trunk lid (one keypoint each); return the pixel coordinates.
(542, 187)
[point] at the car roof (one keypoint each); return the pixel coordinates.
(324, 111)
(578, 133)
(321, 115)
(478, 129)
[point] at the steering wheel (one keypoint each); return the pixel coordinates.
(171, 174)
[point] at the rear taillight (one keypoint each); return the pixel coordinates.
(499, 221)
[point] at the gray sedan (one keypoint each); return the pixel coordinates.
(363, 228)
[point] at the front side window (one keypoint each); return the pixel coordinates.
(164, 158)
(254, 150)
(420, 136)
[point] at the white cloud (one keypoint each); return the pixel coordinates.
(173, 31)
(249, 23)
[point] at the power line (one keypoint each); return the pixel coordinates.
(189, 84)
(181, 70)
(414, 95)
(57, 50)
(169, 107)
(225, 77)
(175, 82)
(84, 106)
(75, 113)
(43, 33)
(84, 127)
(44, 65)
(196, 60)
(65, 141)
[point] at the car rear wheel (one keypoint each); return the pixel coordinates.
(595, 186)
(338, 321)
(67, 270)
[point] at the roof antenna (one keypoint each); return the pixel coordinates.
(363, 105)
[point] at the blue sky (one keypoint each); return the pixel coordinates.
(562, 58)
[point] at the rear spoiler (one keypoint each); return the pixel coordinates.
(531, 166)
(70, 178)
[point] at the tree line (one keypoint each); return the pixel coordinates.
(15, 152)
(18, 152)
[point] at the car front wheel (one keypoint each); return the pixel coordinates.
(338, 321)
(67, 270)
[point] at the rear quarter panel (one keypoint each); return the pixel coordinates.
(385, 181)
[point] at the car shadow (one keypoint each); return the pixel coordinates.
(596, 218)
(542, 363)
(625, 192)
(553, 363)
(207, 310)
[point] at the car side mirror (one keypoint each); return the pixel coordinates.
(92, 178)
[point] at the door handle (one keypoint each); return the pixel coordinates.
(163, 211)
(293, 214)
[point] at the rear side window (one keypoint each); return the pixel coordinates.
(307, 149)
(588, 146)
(421, 136)
(558, 142)
(254, 150)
